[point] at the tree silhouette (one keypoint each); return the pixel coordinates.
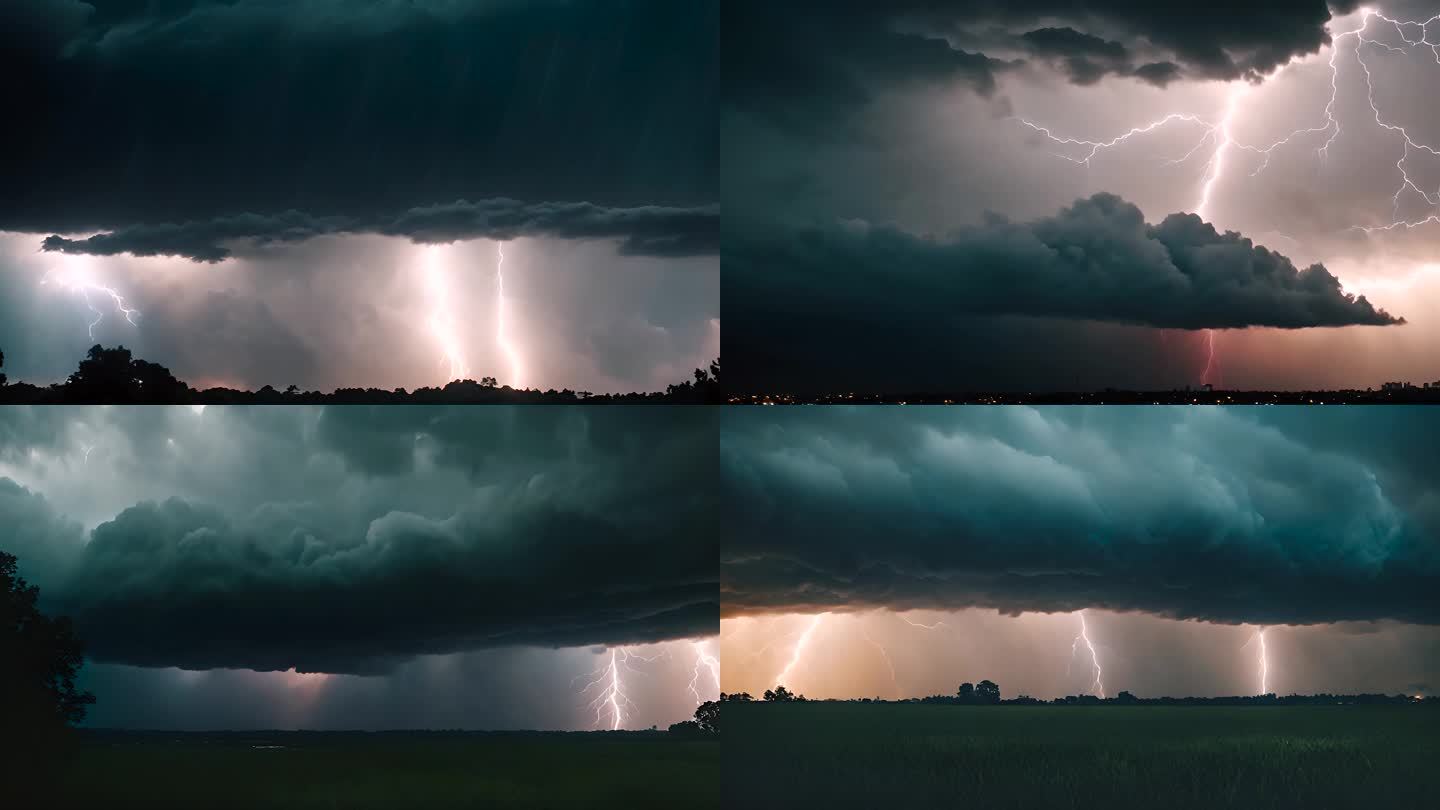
(966, 692)
(987, 692)
(707, 715)
(38, 698)
(2, 365)
(782, 695)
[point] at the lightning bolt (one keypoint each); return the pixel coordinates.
(87, 448)
(1219, 134)
(1264, 664)
(920, 625)
(885, 654)
(442, 321)
(611, 702)
(502, 334)
(703, 661)
(76, 280)
(799, 649)
(1098, 685)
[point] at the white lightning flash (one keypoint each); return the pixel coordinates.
(703, 661)
(919, 624)
(502, 333)
(1098, 684)
(1219, 134)
(799, 649)
(442, 321)
(611, 703)
(75, 278)
(1264, 664)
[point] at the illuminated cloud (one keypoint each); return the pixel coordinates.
(1230, 515)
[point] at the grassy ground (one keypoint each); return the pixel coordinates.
(629, 770)
(1158, 758)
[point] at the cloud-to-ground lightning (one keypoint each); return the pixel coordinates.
(703, 661)
(442, 321)
(611, 702)
(1264, 664)
(502, 331)
(1098, 684)
(799, 649)
(1218, 134)
(72, 278)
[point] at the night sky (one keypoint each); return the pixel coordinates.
(948, 544)
(262, 181)
(902, 211)
(349, 567)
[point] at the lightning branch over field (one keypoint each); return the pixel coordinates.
(1217, 134)
(442, 320)
(703, 661)
(1264, 664)
(799, 650)
(1098, 684)
(611, 701)
(502, 333)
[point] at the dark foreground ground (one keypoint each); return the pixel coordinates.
(390, 770)
(1159, 758)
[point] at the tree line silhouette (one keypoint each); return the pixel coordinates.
(40, 657)
(115, 376)
(987, 693)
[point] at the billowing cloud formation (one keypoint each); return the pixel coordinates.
(350, 539)
(796, 59)
(1096, 260)
(147, 113)
(646, 230)
(1229, 515)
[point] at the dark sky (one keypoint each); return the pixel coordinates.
(1320, 524)
(893, 222)
(189, 155)
(370, 567)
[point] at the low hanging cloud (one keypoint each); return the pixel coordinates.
(807, 64)
(353, 539)
(1096, 260)
(642, 231)
(1230, 515)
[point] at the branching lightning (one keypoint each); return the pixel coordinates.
(75, 280)
(1098, 684)
(885, 654)
(703, 661)
(1218, 135)
(799, 649)
(611, 702)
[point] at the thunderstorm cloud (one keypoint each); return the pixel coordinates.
(807, 63)
(1096, 260)
(1232, 515)
(355, 539)
(645, 231)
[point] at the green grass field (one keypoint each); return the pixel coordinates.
(317, 770)
(833, 755)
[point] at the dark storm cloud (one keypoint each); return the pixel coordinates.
(358, 538)
(644, 230)
(140, 113)
(1096, 260)
(804, 62)
(1213, 514)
